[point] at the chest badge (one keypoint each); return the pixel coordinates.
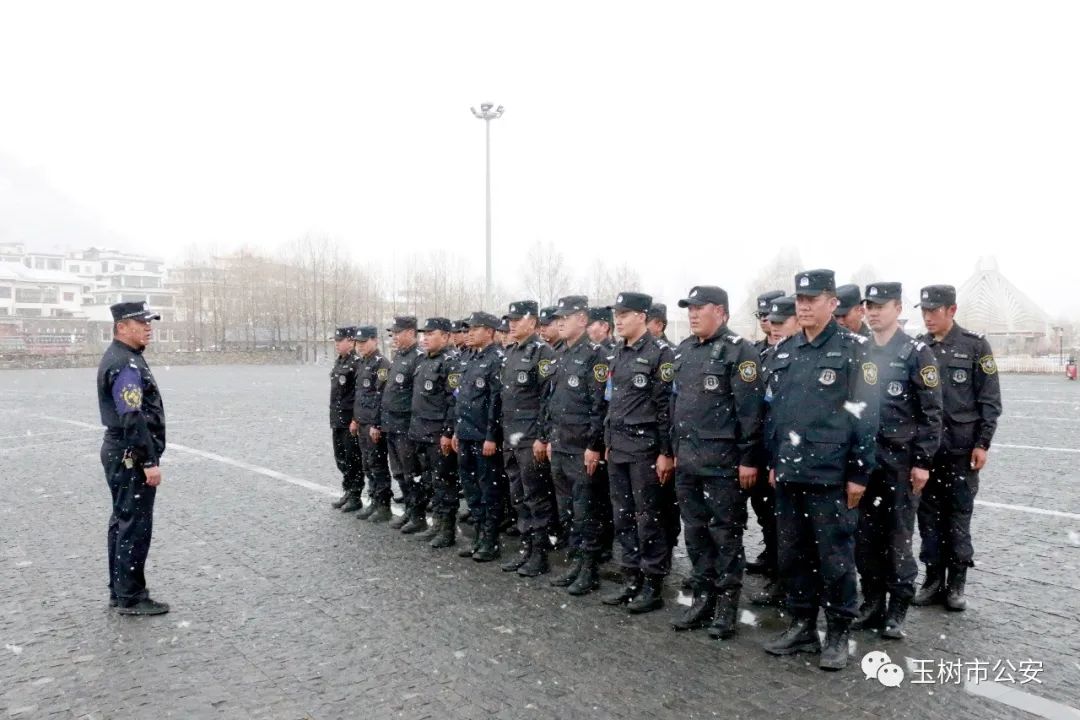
(640, 380)
(711, 382)
(480, 383)
(960, 376)
(522, 377)
(341, 379)
(827, 377)
(399, 378)
(573, 381)
(428, 385)
(367, 382)
(895, 389)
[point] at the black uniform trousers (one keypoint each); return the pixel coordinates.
(637, 501)
(438, 481)
(714, 512)
(945, 509)
(131, 525)
(349, 460)
(763, 501)
(530, 490)
(375, 456)
(579, 497)
(883, 552)
(816, 542)
(406, 468)
(480, 480)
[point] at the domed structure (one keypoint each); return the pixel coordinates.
(990, 304)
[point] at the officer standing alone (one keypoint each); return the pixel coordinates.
(133, 414)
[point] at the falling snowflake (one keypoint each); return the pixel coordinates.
(794, 438)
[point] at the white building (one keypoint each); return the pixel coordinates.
(35, 293)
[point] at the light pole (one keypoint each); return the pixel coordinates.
(487, 113)
(1061, 343)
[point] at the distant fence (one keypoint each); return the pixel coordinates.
(1030, 365)
(156, 359)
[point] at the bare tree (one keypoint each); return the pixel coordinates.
(543, 273)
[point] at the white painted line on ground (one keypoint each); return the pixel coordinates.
(1028, 509)
(1008, 695)
(1039, 417)
(331, 492)
(1037, 447)
(267, 472)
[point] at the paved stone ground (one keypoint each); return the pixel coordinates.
(283, 608)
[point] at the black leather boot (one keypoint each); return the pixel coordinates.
(468, 550)
(447, 536)
(954, 599)
(521, 557)
(872, 610)
(398, 522)
(725, 624)
(417, 523)
(699, 614)
(567, 579)
(340, 502)
(587, 578)
(537, 563)
(894, 618)
(353, 503)
(834, 656)
(367, 511)
(489, 547)
(801, 636)
(430, 534)
(381, 514)
(650, 598)
(933, 590)
(632, 579)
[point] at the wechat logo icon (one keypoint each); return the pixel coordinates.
(877, 665)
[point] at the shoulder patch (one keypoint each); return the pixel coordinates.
(382, 374)
(930, 376)
(986, 362)
(869, 371)
(748, 371)
(454, 380)
(600, 372)
(545, 367)
(667, 372)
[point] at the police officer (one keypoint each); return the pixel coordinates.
(431, 425)
(476, 434)
(907, 440)
(133, 414)
(971, 396)
(638, 440)
(372, 372)
(574, 412)
(458, 332)
(600, 324)
(548, 330)
(396, 409)
(782, 324)
(764, 307)
(821, 420)
(656, 322)
(526, 374)
(850, 312)
(716, 415)
(347, 453)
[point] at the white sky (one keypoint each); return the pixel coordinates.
(692, 141)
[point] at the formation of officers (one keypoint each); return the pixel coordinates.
(839, 429)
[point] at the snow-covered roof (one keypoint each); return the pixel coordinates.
(21, 273)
